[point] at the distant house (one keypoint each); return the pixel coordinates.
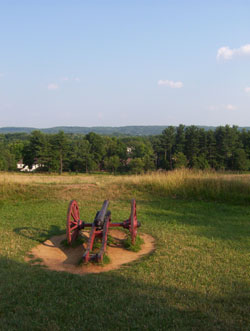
(129, 150)
(20, 164)
(24, 168)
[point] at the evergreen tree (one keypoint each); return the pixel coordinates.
(180, 139)
(239, 160)
(179, 160)
(192, 144)
(97, 150)
(136, 165)
(211, 150)
(36, 149)
(168, 142)
(59, 150)
(79, 155)
(112, 163)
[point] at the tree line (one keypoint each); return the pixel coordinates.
(225, 148)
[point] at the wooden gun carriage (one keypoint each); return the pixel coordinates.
(99, 228)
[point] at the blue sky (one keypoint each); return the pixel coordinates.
(124, 62)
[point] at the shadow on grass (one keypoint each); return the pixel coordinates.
(209, 219)
(37, 299)
(39, 234)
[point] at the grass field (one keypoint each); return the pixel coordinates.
(198, 278)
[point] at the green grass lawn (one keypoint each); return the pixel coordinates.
(198, 278)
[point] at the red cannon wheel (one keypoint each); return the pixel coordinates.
(73, 218)
(133, 222)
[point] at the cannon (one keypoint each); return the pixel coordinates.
(99, 228)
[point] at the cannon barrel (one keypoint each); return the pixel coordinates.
(100, 215)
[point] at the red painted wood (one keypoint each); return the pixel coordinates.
(73, 216)
(99, 228)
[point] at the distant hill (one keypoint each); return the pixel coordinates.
(105, 130)
(142, 130)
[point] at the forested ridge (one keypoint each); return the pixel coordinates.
(103, 130)
(132, 130)
(222, 148)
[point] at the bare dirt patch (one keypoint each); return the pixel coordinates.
(57, 257)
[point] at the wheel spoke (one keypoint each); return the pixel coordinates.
(133, 221)
(73, 221)
(73, 217)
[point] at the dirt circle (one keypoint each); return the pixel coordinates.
(54, 256)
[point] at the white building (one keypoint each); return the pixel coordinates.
(22, 167)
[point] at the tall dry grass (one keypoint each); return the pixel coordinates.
(65, 187)
(36, 178)
(190, 184)
(184, 183)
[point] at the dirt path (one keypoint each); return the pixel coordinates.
(56, 257)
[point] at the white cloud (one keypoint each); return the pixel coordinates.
(230, 107)
(52, 86)
(247, 89)
(70, 79)
(222, 107)
(170, 83)
(226, 53)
